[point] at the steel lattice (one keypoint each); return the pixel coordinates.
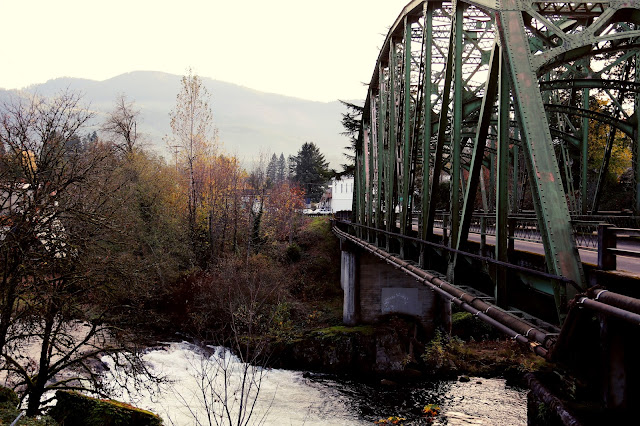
(498, 97)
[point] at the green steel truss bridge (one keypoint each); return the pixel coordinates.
(501, 100)
(498, 97)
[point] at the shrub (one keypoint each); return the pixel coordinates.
(467, 326)
(282, 327)
(434, 354)
(293, 253)
(240, 291)
(8, 412)
(8, 395)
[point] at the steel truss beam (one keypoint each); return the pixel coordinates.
(433, 118)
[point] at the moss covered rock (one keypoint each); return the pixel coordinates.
(467, 327)
(384, 349)
(75, 409)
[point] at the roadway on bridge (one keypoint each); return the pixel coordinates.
(624, 264)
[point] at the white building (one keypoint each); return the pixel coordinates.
(341, 194)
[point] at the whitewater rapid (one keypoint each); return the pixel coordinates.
(288, 398)
(285, 397)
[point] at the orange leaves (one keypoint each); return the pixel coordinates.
(283, 206)
(391, 420)
(430, 412)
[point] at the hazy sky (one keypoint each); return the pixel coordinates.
(320, 50)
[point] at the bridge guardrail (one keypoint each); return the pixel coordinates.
(608, 237)
(525, 227)
(599, 233)
(357, 230)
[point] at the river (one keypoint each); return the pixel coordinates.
(288, 398)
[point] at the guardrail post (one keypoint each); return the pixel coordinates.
(606, 240)
(511, 245)
(483, 235)
(445, 225)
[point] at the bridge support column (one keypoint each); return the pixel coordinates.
(384, 290)
(348, 282)
(374, 289)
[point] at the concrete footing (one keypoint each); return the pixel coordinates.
(373, 289)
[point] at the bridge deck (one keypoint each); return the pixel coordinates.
(625, 265)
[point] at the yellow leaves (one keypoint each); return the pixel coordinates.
(430, 411)
(621, 154)
(392, 420)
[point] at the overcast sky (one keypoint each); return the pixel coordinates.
(319, 50)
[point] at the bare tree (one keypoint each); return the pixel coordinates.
(227, 389)
(34, 133)
(193, 130)
(57, 240)
(122, 125)
(239, 297)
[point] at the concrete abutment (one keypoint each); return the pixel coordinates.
(373, 289)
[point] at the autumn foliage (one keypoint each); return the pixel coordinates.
(100, 237)
(282, 210)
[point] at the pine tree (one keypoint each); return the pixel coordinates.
(281, 169)
(351, 121)
(310, 170)
(272, 171)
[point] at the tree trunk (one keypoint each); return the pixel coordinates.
(9, 297)
(224, 224)
(36, 391)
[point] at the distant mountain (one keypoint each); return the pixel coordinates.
(249, 122)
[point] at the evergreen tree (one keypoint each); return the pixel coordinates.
(272, 171)
(310, 170)
(281, 169)
(351, 121)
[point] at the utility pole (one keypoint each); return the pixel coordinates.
(176, 148)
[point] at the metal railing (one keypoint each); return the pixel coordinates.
(352, 228)
(525, 227)
(608, 238)
(599, 233)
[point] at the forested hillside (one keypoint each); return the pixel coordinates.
(249, 122)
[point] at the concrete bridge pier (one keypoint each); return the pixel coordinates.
(349, 284)
(374, 289)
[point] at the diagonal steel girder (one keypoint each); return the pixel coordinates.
(549, 198)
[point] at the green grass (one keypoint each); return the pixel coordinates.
(337, 330)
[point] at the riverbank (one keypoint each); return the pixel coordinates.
(368, 364)
(392, 351)
(300, 324)
(367, 371)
